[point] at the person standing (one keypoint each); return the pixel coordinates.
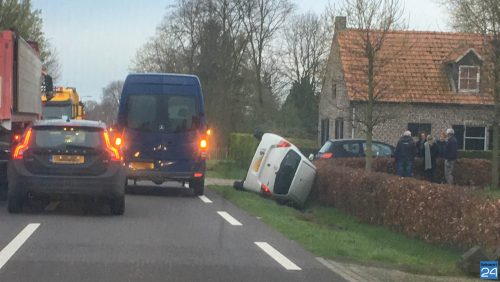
(420, 144)
(405, 154)
(450, 155)
(441, 144)
(430, 154)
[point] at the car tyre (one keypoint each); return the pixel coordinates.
(117, 205)
(198, 186)
(14, 204)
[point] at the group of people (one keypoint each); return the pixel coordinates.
(429, 150)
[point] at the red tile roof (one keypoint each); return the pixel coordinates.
(413, 68)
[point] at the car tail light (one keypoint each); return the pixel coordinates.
(327, 156)
(21, 148)
(265, 190)
(114, 153)
(284, 144)
(198, 174)
(16, 138)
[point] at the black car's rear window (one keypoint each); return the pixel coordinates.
(163, 113)
(60, 137)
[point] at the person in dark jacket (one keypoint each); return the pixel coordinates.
(441, 144)
(420, 144)
(405, 154)
(450, 155)
(430, 154)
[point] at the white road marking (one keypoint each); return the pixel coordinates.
(205, 199)
(16, 243)
(229, 218)
(277, 256)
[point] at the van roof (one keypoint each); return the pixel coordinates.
(163, 78)
(72, 122)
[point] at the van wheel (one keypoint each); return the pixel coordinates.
(198, 186)
(117, 205)
(14, 204)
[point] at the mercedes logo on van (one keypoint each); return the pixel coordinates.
(161, 127)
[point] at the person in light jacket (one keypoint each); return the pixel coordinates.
(450, 155)
(430, 153)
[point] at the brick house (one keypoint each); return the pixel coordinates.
(433, 81)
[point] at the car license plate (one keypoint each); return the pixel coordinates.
(141, 165)
(68, 159)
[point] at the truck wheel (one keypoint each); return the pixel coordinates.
(14, 204)
(117, 205)
(198, 186)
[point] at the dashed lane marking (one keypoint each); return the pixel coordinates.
(277, 256)
(16, 243)
(229, 218)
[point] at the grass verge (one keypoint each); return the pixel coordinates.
(225, 169)
(330, 233)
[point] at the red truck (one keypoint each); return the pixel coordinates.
(20, 92)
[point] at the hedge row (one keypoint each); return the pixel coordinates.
(436, 213)
(467, 172)
(242, 147)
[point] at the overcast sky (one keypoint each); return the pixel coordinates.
(97, 39)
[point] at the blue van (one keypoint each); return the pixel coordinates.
(163, 124)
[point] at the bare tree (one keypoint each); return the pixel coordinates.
(483, 17)
(307, 44)
(262, 19)
(374, 19)
(111, 100)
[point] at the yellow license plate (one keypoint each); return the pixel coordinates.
(256, 166)
(68, 159)
(141, 165)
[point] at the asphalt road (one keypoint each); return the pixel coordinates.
(164, 235)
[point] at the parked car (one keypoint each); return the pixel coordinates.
(353, 148)
(164, 130)
(60, 159)
(279, 170)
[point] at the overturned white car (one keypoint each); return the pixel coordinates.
(279, 170)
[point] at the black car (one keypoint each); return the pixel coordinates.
(353, 148)
(61, 159)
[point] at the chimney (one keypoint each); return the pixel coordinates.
(340, 23)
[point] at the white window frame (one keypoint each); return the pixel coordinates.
(478, 79)
(485, 138)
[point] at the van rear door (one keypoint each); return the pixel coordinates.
(163, 129)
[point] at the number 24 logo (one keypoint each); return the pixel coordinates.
(486, 272)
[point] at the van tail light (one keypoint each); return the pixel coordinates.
(21, 148)
(198, 174)
(118, 141)
(283, 144)
(113, 152)
(16, 138)
(265, 190)
(327, 156)
(203, 148)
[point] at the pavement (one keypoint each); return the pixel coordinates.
(166, 234)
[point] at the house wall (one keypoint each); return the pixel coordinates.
(439, 116)
(332, 107)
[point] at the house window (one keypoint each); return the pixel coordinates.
(334, 91)
(417, 128)
(470, 137)
(475, 138)
(339, 128)
(325, 130)
(468, 79)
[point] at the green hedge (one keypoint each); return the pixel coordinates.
(242, 147)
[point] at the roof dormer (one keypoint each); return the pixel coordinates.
(463, 67)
